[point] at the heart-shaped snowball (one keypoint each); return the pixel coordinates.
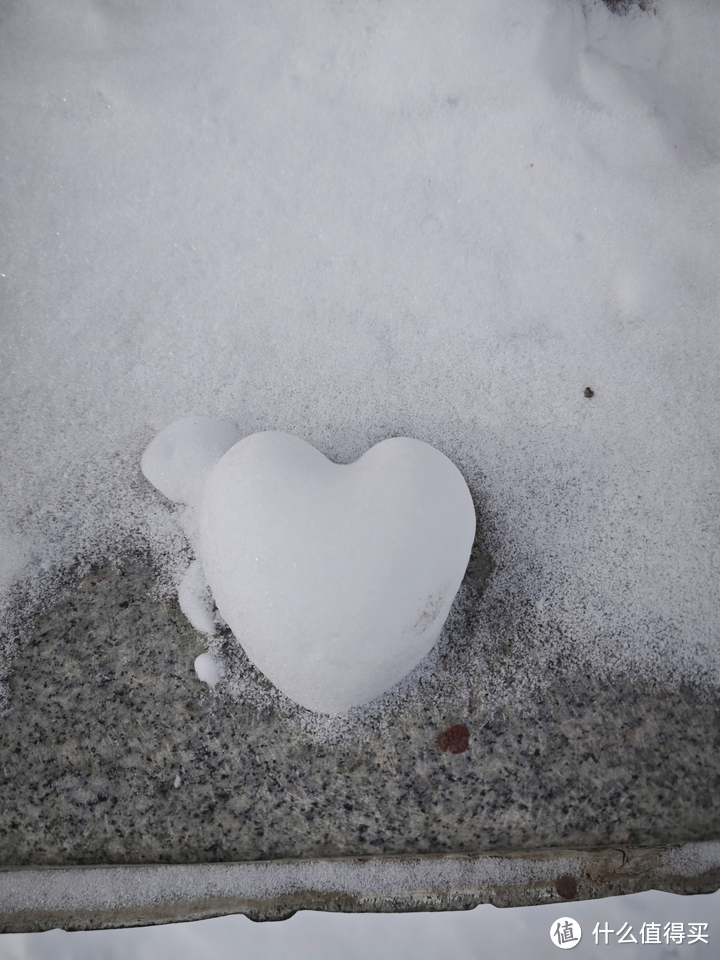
(335, 579)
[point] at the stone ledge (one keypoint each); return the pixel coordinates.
(113, 752)
(101, 897)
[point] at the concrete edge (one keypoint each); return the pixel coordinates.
(33, 899)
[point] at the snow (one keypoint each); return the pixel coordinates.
(336, 579)
(358, 221)
(691, 859)
(209, 669)
(181, 457)
(195, 600)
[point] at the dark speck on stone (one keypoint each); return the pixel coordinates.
(455, 739)
(566, 887)
(589, 393)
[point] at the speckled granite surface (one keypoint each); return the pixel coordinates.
(107, 712)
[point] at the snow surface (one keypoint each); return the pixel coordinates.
(691, 859)
(355, 221)
(336, 579)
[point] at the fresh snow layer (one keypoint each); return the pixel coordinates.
(355, 221)
(336, 579)
(691, 859)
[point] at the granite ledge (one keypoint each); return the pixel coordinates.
(93, 898)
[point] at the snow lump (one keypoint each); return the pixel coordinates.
(336, 579)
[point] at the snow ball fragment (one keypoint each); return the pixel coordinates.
(177, 782)
(195, 600)
(181, 457)
(208, 669)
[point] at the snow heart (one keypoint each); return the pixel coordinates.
(335, 579)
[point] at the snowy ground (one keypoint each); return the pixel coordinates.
(482, 934)
(350, 221)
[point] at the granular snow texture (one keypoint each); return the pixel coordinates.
(357, 221)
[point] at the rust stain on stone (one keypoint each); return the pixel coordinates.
(455, 739)
(566, 887)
